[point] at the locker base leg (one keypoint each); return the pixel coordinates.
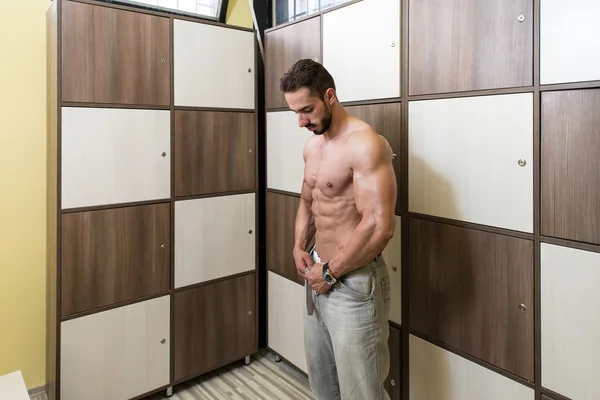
(277, 359)
(170, 391)
(247, 360)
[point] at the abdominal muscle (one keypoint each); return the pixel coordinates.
(335, 220)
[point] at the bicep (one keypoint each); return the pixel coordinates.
(374, 181)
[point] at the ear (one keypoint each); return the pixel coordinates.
(330, 96)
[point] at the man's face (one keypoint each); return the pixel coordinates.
(313, 113)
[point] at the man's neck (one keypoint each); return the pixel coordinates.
(339, 123)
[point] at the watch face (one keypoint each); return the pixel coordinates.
(328, 278)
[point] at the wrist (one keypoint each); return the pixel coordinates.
(328, 276)
(297, 250)
(335, 269)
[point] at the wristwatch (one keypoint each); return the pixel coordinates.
(328, 276)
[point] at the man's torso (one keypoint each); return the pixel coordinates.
(328, 175)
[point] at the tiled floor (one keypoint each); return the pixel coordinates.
(262, 379)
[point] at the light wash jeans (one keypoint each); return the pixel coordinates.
(346, 337)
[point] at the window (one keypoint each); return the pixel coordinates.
(205, 8)
(290, 10)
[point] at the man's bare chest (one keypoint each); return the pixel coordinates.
(329, 172)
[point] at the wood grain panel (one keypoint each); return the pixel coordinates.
(393, 382)
(570, 137)
(569, 48)
(570, 321)
(113, 156)
(285, 46)
(436, 373)
(116, 354)
(52, 188)
(114, 56)
(392, 254)
(460, 45)
(213, 66)
(471, 159)
(214, 325)
(386, 120)
(285, 145)
(286, 305)
(378, 43)
(110, 256)
(545, 397)
(281, 218)
(214, 237)
(466, 288)
(214, 152)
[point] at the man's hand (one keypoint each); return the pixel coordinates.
(314, 277)
(303, 261)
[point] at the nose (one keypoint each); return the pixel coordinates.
(302, 121)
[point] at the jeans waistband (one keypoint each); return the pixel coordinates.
(317, 259)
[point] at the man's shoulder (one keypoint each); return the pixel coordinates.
(369, 146)
(311, 144)
(367, 139)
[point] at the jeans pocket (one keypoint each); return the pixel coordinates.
(384, 281)
(359, 284)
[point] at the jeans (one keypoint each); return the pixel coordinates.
(346, 337)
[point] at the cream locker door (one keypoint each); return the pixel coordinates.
(569, 41)
(471, 159)
(435, 373)
(361, 49)
(570, 321)
(213, 66)
(214, 238)
(114, 156)
(285, 148)
(393, 258)
(286, 308)
(116, 354)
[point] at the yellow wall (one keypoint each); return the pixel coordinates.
(238, 13)
(22, 182)
(22, 188)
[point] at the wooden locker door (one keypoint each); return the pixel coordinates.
(283, 47)
(215, 152)
(116, 354)
(570, 320)
(473, 290)
(213, 66)
(214, 325)
(115, 255)
(386, 120)
(281, 219)
(393, 383)
(392, 254)
(214, 238)
(569, 48)
(569, 174)
(285, 147)
(471, 159)
(462, 45)
(114, 56)
(371, 29)
(112, 156)
(436, 373)
(286, 308)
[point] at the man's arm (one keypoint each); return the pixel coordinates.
(304, 228)
(375, 194)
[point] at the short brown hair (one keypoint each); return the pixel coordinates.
(309, 74)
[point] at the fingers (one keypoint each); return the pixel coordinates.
(307, 259)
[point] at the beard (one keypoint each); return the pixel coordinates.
(325, 122)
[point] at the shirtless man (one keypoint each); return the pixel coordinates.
(347, 205)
